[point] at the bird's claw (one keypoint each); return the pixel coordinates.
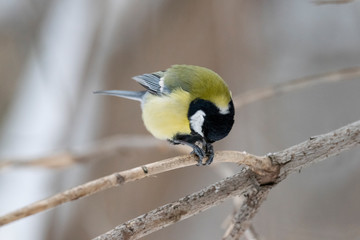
(199, 153)
(209, 153)
(210, 159)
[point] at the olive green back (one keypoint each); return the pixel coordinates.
(200, 82)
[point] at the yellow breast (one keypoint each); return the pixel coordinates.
(165, 116)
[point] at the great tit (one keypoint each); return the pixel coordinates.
(184, 104)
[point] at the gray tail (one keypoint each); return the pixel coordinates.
(124, 94)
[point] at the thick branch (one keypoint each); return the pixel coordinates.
(315, 149)
(289, 160)
(184, 207)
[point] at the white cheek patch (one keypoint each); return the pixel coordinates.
(197, 121)
(224, 111)
(161, 83)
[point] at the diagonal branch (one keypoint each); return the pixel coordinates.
(289, 160)
(251, 234)
(260, 165)
(266, 92)
(185, 207)
(315, 149)
(245, 213)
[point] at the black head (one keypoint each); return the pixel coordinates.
(209, 121)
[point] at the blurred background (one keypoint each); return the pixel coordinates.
(54, 53)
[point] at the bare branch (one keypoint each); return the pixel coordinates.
(107, 147)
(184, 207)
(242, 220)
(52, 161)
(251, 234)
(263, 93)
(260, 165)
(292, 159)
(289, 160)
(323, 2)
(244, 215)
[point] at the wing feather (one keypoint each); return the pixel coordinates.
(153, 82)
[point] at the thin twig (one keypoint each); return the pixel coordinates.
(107, 147)
(251, 234)
(260, 165)
(323, 2)
(289, 160)
(245, 228)
(263, 93)
(244, 214)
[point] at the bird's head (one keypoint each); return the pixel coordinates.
(208, 120)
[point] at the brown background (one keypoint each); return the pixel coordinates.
(53, 54)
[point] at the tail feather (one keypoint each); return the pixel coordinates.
(124, 94)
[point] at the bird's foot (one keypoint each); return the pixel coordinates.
(200, 147)
(209, 151)
(197, 151)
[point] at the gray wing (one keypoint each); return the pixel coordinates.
(153, 82)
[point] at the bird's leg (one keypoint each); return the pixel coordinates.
(209, 151)
(199, 153)
(190, 141)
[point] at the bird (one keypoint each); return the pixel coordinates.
(185, 104)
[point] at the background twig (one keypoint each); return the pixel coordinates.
(262, 93)
(107, 147)
(251, 234)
